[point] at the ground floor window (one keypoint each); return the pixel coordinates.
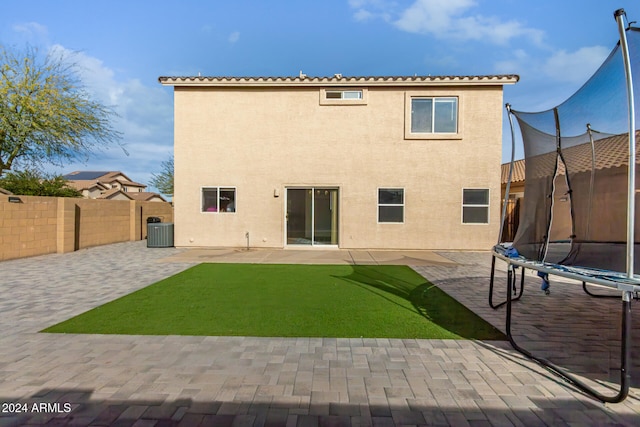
(475, 206)
(218, 199)
(391, 205)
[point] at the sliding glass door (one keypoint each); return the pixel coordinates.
(312, 216)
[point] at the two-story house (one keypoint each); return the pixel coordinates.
(112, 185)
(351, 162)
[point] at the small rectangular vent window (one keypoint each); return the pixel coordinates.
(344, 94)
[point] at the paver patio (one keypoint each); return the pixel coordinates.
(181, 380)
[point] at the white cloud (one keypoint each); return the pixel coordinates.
(560, 67)
(547, 81)
(31, 29)
(234, 37)
(145, 117)
(449, 19)
(575, 67)
(515, 64)
(363, 15)
(366, 10)
(445, 19)
(432, 16)
(442, 61)
(493, 30)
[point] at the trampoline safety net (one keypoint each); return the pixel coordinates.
(576, 172)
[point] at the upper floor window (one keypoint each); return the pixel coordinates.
(344, 94)
(352, 96)
(218, 199)
(434, 115)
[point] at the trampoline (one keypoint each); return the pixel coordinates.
(578, 219)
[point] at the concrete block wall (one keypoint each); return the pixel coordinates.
(102, 221)
(28, 228)
(43, 225)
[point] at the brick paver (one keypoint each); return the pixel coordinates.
(246, 381)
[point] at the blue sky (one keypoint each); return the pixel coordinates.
(122, 48)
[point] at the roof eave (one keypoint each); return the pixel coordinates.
(199, 81)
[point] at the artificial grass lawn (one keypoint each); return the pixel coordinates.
(287, 301)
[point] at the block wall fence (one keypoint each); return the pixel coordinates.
(45, 225)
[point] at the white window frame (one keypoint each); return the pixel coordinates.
(403, 204)
(218, 188)
(435, 94)
(487, 206)
(342, 100)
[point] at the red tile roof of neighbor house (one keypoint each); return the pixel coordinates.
(518, 172)
(610, 152)
(338, 80)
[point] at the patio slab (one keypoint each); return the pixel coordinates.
(310, 256)
(191, 381)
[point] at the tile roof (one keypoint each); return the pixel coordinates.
(112, 193)
(145, 196)
(87, 177)
(518, 172)
(85, 184)
(113, 175)
(123, 182)
(610, 152)
(339, 80)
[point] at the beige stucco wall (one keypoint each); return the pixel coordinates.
(262, 140)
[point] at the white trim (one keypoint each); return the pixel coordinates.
(488, 206)
(219, 187)
(344, 101)
(378, 204)
(433, 94)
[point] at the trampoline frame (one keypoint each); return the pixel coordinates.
(628, 290)
(627, 284)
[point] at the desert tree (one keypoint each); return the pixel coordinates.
(46, 113)
(163, 180)
(31, 182)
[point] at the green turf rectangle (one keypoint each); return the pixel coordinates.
(287, 301)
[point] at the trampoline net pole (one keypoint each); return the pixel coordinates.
(619, 15)
(503, 218)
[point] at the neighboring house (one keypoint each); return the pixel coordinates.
(516, 188)
(514, 201)
(350, 162)
(114, 194)
(113, 185)
(5, 192)
(89, 189)
(147, 197)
